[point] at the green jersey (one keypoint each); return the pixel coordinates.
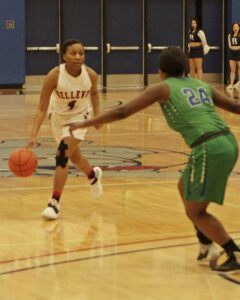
(190, 109)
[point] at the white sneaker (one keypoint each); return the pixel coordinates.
(96, 185)
(237, 85)
(229, 87)
(51, 212)
(207, 253)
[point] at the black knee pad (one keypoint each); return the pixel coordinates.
(61, 157)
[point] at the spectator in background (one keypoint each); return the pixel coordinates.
(234, 57)
(198, 47)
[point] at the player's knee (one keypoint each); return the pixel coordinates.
(191, 214)
(194, 215)
(74, 160)
(62, 156)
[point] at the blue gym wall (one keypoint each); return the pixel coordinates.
(83, 19)
(234, 10)
(212, 26)
(12, 48)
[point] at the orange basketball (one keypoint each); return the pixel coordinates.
(22, 162)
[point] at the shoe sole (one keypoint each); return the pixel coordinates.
(226, 272)
(215, 269)
(47, 217)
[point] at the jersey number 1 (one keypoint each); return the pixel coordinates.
(71, 104)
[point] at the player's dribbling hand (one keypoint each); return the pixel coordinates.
(31, 142)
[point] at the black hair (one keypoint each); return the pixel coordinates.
(197, 22)
(173, 61)
(234, 23)
(66, 44)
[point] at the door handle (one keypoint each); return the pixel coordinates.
(214, 48)
(57, 48)
(121, 48)
(91, 48)
(150, 47)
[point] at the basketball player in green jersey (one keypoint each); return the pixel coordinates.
(189, 108)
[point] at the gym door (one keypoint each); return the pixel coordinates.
(42, 36)
(51, 22)
(123, 42)
(164, 28)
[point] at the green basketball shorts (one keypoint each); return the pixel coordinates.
(208, 169)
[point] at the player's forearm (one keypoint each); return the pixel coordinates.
(231, 105)
(39, 117)
(235, 107)
(95, 104)
(107, 117)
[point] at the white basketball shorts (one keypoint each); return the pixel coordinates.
(60, 131)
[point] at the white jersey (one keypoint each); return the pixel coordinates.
(71, 96)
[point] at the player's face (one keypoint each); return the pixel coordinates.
(74, 56)
(194, 25)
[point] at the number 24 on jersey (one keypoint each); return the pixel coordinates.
(196, 97)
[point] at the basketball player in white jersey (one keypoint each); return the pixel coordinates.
(69, 94)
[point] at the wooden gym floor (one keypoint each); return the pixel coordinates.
(133, 243)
